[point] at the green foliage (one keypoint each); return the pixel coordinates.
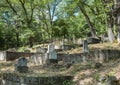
(46, 18)
(111, 73)
(60, 28)
(96, 76)
(25, 36)
(67, 82)
(21, 49)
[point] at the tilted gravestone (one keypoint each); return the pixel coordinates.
(52, 55)
(21, 65)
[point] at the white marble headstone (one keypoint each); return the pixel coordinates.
(2, 55)
(50, 48)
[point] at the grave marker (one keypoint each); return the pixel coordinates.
(52, 55)
(2, 55)
(85, 46)
(40, 50)
(21, 65)
(85, 50)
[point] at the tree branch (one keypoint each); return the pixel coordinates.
(32, 9)
(11, 6)
(25, 11)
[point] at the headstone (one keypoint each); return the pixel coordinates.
(85, 50)
(2, 55)
(81, 42)
(40, 50)
(52, 55)
(85, 46)
(50, 48)
(21, 65)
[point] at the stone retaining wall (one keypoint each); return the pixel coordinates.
(8, 55)
(38, 58)
(97, 55)
(15, 79)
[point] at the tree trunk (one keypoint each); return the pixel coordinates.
(116, 14)
(110, 26)
(109, 21)
(92, 30)
(17, 39)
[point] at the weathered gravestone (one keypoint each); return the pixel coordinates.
(40, 56)
(85, 50)
(2, 55)
(21, 65)
(40, 50)
(52, 55)
(85, 46)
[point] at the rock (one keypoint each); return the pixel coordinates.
(68, 65)
(102, 79)
(108, 80)
(97, 65)
(112, 80)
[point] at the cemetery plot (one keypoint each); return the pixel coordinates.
(23, 71)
